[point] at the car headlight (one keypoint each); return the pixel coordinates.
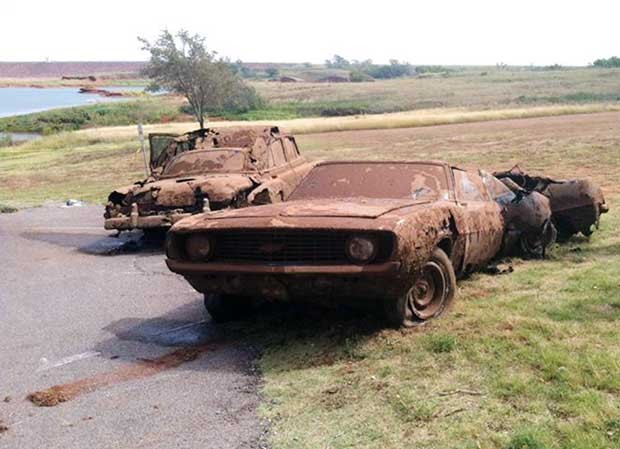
(198, 247)
(361, 249)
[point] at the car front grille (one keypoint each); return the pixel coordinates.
(285, 247)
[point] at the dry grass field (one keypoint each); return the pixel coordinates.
(486, 88)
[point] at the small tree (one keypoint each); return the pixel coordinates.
(184, 66)
(272, 72)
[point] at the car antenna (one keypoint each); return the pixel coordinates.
(141, 137)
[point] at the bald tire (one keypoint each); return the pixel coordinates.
(405, 311)
(225, 308)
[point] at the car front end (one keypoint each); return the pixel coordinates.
(160, 204)
(322, 252)
(315, 264)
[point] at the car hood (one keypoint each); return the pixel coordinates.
(182, 191)
(355, 213)
(360, 208)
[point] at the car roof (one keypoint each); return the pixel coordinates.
(211, 150)
(395, 161)
(354, 162)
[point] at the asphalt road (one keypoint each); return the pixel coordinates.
(136, 359)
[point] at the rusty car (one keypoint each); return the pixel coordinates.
(528, 224)
(208, 169)
(389, 234)
(576, 204)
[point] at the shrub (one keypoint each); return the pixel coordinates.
(394, 69)
(608, 63)
(244, 99)
(357, 76)
(7, 209)
(272, 72)
(5, 141)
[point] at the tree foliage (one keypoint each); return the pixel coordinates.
(608, 63)
(360, 70)
(272, 72)
(182, 64)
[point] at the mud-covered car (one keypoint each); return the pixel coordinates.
(576, 204)
(389, 234)
(208, 169)
(528, 226)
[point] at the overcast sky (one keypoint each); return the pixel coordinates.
(426, 32)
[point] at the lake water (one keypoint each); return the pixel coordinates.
(20, 137)
(24, 100)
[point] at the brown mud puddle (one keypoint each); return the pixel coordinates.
(137, 370)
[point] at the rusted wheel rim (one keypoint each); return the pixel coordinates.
(427, 295)
(532, 245)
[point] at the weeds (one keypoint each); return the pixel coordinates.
(440, 343)
(4, 209)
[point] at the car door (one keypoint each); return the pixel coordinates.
(481, 216)
(281, 168)
(298, 164)
(158, 144)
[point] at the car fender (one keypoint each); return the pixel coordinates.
(267, 193)
(418, 235)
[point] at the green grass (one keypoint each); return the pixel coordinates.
(527, 360)
(145, 110)
(67, 165)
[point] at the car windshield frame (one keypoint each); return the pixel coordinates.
(420, 193)
(193, 153)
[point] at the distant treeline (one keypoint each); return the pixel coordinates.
(608, 63)
(359, 70)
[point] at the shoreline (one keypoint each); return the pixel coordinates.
(56, 82)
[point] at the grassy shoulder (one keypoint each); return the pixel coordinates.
(525, 360)
(88, 164)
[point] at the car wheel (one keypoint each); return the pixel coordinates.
(588, 231)
(564, 231)
(534, 245)
(433, 291)
(154, 235)
(224, 308)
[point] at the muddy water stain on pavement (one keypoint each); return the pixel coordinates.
(136, 370)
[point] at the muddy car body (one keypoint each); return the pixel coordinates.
(394, 234)
(576, 204)
(208, 170)
(528, 225)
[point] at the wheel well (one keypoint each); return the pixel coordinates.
(446, 246)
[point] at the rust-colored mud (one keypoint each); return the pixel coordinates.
(398, 212)
(576, 204)
(139, 370)
(205, 170)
